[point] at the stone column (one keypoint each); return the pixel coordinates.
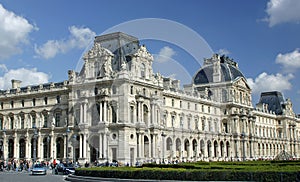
(84, 146)
(105, 149)
(40, 145)
(65, 147)
(142, 113)
(182, 149)
(84, 114)
(154, 146)
(205, 154)
(152, 113)
(100, 146)
(140, 145)
(100, 112)
(150, 146)
(80, 146)
(173, 148)
(105, 111)
(81, 113)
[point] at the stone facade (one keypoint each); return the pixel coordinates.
(117, 109)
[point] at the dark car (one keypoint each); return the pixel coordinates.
(64, 168)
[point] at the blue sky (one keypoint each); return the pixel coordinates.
(41, 40)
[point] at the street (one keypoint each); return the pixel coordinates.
(12, 176)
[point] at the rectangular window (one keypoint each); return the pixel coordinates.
(58, 99)
(33, 121)
(45, 121)
(1, 124)
(57, 119)
(131, 90)
(23, 103)
(11, 122)
(33, 102)
(46, 100)
(22, 122)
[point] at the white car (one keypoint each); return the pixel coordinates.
(38, 169)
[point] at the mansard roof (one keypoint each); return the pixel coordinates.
(274, 101)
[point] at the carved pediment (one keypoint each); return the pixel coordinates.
(241, 82)
(97, 51)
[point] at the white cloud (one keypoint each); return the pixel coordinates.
(165, 64)
(79, 38)
(14, 31)
(165, 54)
(223, 52)
(283, 11)
(289, 61)
(265, 82)
(27, 76)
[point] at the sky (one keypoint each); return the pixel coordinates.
(41, 40)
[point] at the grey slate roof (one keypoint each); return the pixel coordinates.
(275, 101)
(229, 72)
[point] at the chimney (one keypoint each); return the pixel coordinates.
(15, 84)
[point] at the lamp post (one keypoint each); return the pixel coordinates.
(67, 152)
(34, 143)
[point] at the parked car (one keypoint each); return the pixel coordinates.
(39, 169)
(64, 168)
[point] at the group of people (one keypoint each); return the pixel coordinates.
(23, 165)
(15, 165)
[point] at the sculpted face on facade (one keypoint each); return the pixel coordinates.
(116, 108)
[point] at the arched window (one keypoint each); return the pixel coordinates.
(22, 149)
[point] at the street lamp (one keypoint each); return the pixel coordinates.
(34, 143)
(67, 153)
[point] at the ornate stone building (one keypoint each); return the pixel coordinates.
(116, 108)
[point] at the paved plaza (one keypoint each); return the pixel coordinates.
(24, 176)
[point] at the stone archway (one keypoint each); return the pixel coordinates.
(94, 148)
(22, 148)
(178, 148)
(60, 148)
(186, 148)
(146, 147)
